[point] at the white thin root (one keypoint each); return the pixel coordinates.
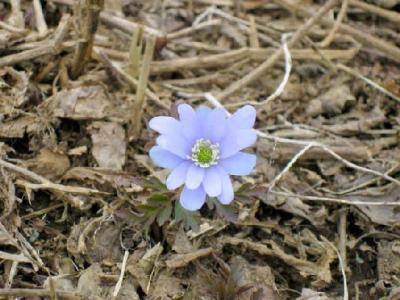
(121, 275)
(341, 264)
(280, 89)
(289, 165)
(288, 69)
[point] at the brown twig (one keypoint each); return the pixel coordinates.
(336, 200)
(190, 30)
(126, 25)
(342, 13)
(385, 13)
(53, 47)
(253, 35)
(53, 293)
(132, 82)
(342, 228)
(17, 16)
(135, 52)
(87, 13)
(362, 37)
(12, 28)
(368, 81)
(260, 70)
(232, 56)
(39, 17)
(136, 121)
(39, 293)
(44, 183)
(42, 211)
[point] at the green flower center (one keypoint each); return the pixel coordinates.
(205, 153)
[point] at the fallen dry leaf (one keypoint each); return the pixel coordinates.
(182, 260)
(109, 144)
(49, 164)
(102, 176)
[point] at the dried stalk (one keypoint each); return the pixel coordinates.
(368, 81)
(17, 16)
(336, 200)
(39, 293)
(190, 30)
(45, 183)
(342, 228)
(87, 13)
(125, 25)
(53, 294)
(232, 56)
(132, 82)
(362, 37)
(39, 17)
(53, 47)
(253, 38)
(385, 13)
(260, 70)
(135, 52)
(13, 29)
(11, 274)
(342, 13)
(279, 90)
(136, 121)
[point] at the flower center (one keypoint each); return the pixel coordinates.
(205, 153)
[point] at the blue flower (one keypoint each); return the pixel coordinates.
(203, 148)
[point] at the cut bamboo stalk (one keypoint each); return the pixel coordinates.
(87, 14)
(135, 52)
(136, 121)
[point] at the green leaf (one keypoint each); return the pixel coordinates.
(145, 208)
(191, 220)
(158, 207)
(154, 184)
(158, 199)
(164, 215)
(179, 211)
(228, 212)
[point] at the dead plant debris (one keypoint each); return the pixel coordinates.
(84, 214)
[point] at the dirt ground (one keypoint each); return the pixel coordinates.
(84, 212)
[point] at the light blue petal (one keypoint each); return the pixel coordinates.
(194, 177)
(178, 175)
(246, 138)
(212, 182)
(240, 164)
(190, 123)
(185, 111)
(244, 118)
(215, 125)
(237, 140)
(192, 199)
(175, 144)
(203, 113)
(165, 125)
(164, 158)
(227, 194)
